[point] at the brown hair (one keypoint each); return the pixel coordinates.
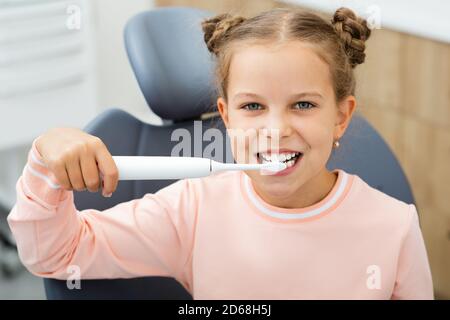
(340, 43)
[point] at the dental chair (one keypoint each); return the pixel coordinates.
(174, 70)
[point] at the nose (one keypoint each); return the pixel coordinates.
(275, 126)
(278, 124)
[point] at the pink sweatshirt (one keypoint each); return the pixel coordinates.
(220, 240)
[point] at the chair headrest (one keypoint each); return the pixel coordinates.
(171, 62)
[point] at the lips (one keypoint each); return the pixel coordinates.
(290, 158)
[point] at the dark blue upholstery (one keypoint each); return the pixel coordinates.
(169, 57)
(173, 68)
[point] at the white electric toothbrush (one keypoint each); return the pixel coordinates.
(149, 167)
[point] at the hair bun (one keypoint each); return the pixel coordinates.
(353, 31)
(216, 29)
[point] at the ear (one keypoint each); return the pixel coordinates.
(345, 111)
(223, 110)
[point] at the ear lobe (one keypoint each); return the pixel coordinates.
(344, 116)
(346, 109)
(223, 110)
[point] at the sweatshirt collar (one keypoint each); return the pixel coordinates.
(319, 209)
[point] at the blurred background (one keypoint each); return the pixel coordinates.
(64, 62)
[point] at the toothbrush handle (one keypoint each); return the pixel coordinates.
(154, 168)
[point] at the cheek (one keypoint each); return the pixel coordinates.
(318, 135)
(237, 121)
(242, 135)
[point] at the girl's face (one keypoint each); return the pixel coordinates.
(285, 94)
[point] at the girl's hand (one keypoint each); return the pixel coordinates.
(76, 159)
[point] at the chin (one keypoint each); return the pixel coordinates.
(278, 192)
(274, 186)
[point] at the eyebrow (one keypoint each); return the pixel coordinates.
(295, 96)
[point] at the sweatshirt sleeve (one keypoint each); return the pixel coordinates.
(143, 237)
(414, 281)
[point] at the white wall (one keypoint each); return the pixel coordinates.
(423, 18)
(111, 84)
(116, 83)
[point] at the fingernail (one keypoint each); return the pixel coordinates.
(108, 195)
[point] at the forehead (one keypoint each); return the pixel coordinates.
(287, 68)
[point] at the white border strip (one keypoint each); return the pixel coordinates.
(36, 160)
(43, 177)
(305, 215)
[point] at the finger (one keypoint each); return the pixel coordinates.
(90, 173)
(108, 169)
(74, 171)
(58, 168)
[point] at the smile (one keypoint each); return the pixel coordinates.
(289, 158)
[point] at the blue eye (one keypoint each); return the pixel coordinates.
(252, 107)
(305, 105)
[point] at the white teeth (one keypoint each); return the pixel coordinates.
(290, 163)
(274, 157)
(283, 157)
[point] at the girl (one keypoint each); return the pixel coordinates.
(304, 233)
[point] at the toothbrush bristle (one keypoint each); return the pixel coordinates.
(276, 166)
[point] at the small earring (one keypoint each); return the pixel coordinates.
(336, 144)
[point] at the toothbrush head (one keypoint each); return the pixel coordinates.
(272, 168)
